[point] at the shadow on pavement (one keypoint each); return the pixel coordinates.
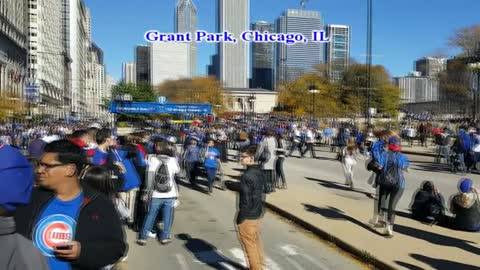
(408, 266)
(440, 263)
(194, 187)
(207, 253)
(333, 185)
(334, 213)
(438, 239)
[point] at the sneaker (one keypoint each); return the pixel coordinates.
(141, 242)
(210, 189)
(166, 241)
(389, 230)
(152, 235)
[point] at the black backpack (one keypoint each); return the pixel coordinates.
(390, 177)
(162, 181)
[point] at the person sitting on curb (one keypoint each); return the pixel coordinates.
(428, 204)
(16, 181)
(466, 207)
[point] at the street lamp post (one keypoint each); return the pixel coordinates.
(369, 58)
(475, 67)
(313, 90)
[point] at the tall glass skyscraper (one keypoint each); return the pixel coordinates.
(142, 61)
(233, 16)
(294, 60)
(337, 51)
(186, 21)
(262, 59)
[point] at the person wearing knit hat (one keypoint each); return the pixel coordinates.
(16, 181)
(391, 181)
(466, 207)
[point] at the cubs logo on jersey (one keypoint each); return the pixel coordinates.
(53, 230)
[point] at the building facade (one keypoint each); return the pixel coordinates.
(129, 73)
(142, 62)
(13, 55)
(186, 22)
(431, 66)
(96, 84)
(262, 58)
(415, 88)
(294, 60)
(77, 45)
(233, 16)
(47, 58)
(168, 61)
(250, 101)
(337, 51)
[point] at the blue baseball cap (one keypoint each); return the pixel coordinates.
(16, 178)
(394, 140)
(466, 185)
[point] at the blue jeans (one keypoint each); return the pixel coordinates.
(167, 217)
(211, 174)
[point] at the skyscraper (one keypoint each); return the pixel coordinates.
(129, 73)
(142, 61)
(48, 59)
(168, 61)
(294, 60)
(186, 21)
(262, 59)
(431, 66)
(233, 17)
(337, 51)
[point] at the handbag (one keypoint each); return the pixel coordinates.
(374, 166)
(131, 177)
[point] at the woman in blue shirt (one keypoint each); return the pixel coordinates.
(391, 157)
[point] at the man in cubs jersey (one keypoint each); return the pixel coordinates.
(72, 225)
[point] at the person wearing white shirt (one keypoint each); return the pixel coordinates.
(156, 199)
(310, 142)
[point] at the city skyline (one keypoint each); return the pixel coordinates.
(393, 25)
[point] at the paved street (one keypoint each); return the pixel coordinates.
(205, 238)
(299, 172)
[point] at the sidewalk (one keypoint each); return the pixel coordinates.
(419, 150)
(341, 216)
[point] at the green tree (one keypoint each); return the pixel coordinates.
(140, 93)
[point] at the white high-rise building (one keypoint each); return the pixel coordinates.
(168, 61)
(186, 22)
(129, 73)
(76, 24)
(337, 51)
(47, 57)
(95, 83)
(233, 17)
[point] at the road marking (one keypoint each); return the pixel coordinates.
(239, 255)
(294, 263)
(181, 260)
(290, 250)
(271, 265)
(227, 266)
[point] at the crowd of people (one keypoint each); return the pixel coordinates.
(88, 181)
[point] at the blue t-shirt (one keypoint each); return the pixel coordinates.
(100, 157)
(57, 225)
(211, 159)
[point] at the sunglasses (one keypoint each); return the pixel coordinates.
(48, 166)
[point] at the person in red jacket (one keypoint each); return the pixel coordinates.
(84, 140)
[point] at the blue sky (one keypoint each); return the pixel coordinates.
(403, 30)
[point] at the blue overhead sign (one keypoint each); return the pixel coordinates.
(156, 108)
